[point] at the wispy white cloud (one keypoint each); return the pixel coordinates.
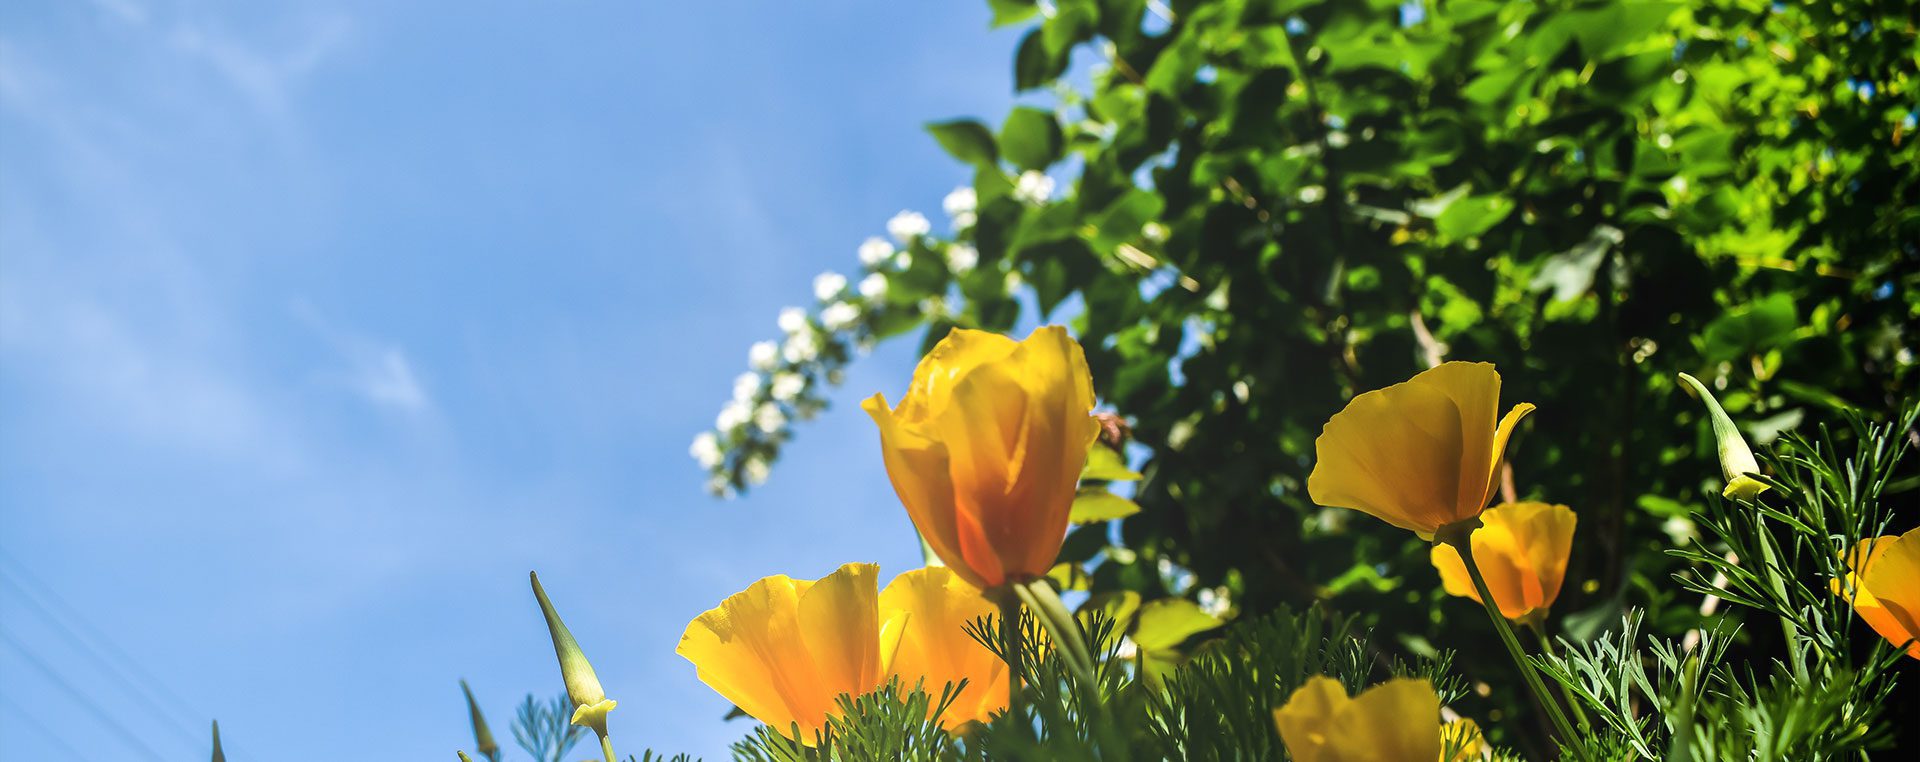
(378, 371)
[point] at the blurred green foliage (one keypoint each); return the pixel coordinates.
(1270, 206)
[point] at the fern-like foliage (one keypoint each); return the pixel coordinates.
(1785, 559)
(545, 729)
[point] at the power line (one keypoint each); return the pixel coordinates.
(52, 608)
(102, 663)
(34, 722)
(100, 641)
(82, 698)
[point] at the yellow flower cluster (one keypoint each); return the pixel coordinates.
(985, 450)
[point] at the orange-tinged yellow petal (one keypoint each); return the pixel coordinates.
(1885, 582)
(840, 624)
(1395, 721)
(986, 449)
(1522, 551)
(783, 649)
(934, 648)
(1393, 453)
(1419, 454)
(954, 357)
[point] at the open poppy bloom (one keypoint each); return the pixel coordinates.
(1884, 584)
(1522, 551)
(986, 448)
(934, 646)
(1420, 454)
(1395, 721)
(783, 649)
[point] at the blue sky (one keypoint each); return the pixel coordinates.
(322, 323)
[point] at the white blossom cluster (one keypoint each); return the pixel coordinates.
(782, 383)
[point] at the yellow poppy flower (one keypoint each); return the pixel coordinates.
(1420, 454)
(1522, 551)
(986, 449)
(934, 647)
(1463, 735)
(1885, 584)
(783, 649)
(1395, 721)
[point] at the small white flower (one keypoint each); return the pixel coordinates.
(1312, 194)
(960, 205)
(762, 355)
(746, 385)
(705, 449)
(960, 201)
(962, 257)
(1012, 282)
(1214, 601)
(755, 469)
(908, 225)
(903, 260)
(733, 415)
(875, 250)
(839, 316)
(1155, 232)
(787, 386)
(719, 487)
(801, 347)
(874, 286)
(793, 320)
(828, 285)
(1033, 187)
(768, 418)
(1127, 650)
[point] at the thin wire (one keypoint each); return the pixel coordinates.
(184, 711)
(106, 666)
(34, 722)
(82, 698)
(100, 640)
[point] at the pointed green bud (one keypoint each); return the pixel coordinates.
(482, 735)
(464, 757)
(1737, 463)
(590, 703)
(218, 755)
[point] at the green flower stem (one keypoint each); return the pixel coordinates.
(1462, 541)
(1011, 641)
(606, 748)
(1040, 597)
(1770, 566)
(1546, 647)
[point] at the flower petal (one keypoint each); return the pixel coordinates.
(1394, 453)
(839, 622)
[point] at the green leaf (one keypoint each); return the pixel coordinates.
(1033, 64)
(1007, 12)
(1457, 216)
(966, 140)
(1031, 138)
(1168, 622)
(1097, 504)
(1750, 328)
(1104, 464)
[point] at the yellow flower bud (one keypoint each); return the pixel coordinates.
(1737, 463)
(1883, 584)
(1522, 551)
(1420, 454)
(590, 702)
(986, 448)
(1395, 721)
